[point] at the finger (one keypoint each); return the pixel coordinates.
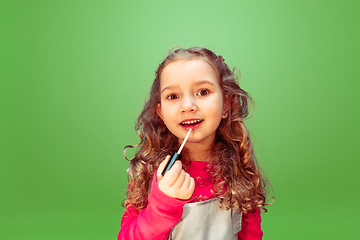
(180, 180)
(188, 187)
(186, 182)
(162, 166)
(192, 185)
(172, 175)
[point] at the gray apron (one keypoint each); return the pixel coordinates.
(206, 221)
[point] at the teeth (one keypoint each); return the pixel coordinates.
(191, 122)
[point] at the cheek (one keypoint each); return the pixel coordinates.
(216, 107)
(167, 112)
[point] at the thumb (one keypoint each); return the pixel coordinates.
(162, 166)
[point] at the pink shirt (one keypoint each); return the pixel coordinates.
(163, 212)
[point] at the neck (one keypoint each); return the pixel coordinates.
(198, 152)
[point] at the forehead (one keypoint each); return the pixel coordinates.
(182, 71)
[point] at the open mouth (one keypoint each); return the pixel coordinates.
(191, 123)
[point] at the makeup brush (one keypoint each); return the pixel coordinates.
(175, 156)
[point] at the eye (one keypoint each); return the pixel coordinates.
(203, 92)
(172, 96)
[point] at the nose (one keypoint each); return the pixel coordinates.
(188, 104)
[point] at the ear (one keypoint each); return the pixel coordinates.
(158, 111)
(226, 107)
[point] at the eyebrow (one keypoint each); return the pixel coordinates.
(203, 82)
(196, 84)
(169, 87)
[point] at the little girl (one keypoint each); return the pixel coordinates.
(216, 191)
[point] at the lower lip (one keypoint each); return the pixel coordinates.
(193, 127)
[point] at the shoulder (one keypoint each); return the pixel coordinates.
(253, 215)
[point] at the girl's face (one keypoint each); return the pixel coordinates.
(191, 97)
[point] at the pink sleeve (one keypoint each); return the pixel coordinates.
(155, 221)
(251, 226)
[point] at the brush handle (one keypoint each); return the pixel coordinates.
(170, 163)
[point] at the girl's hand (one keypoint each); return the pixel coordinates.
(176, 182)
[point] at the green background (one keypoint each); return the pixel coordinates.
(75, 74)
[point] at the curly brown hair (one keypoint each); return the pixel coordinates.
(237, 180)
